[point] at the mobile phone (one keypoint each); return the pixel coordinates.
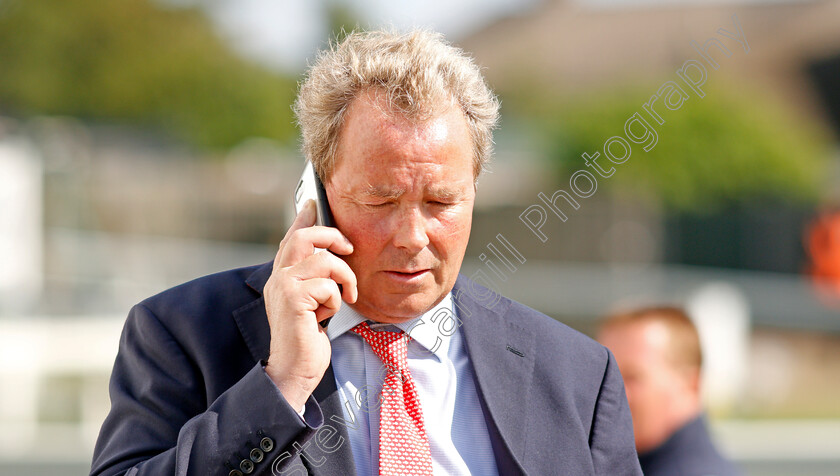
(310, 188)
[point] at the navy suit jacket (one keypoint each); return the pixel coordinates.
(189, 395)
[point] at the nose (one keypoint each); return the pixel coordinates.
(410, 231)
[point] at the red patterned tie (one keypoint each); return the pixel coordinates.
(403, 444)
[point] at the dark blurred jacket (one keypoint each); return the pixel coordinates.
(688, 452)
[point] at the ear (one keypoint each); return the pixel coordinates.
(693, 379)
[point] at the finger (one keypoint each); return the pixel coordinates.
(328, 265)
(324, 292)
(322, 314)
(302, 243)
(306, 218)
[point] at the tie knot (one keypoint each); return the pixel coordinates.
(389, 346)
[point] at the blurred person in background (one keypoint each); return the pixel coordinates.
(822, 240)
(242, 373)
(658, 352)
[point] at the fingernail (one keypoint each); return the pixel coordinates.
(309, 209)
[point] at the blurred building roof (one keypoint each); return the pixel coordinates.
(578, 47)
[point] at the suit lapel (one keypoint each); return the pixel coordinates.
(502, 355)
(251, 318)
(253, 325)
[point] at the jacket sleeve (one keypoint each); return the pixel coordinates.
(160, 422)
(611, 439)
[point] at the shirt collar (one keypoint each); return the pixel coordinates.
(433, 334)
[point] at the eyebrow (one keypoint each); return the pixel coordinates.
(443, 192)
(382, 192)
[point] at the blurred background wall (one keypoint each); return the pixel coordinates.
(148, 142)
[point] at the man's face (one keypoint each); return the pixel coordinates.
(403, 194)
(656, 389)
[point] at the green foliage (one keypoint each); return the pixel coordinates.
(728, 147)
(135, 62)
(341, 20)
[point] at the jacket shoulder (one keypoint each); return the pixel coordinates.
(558, 337)
(224, 289)
(200, 311)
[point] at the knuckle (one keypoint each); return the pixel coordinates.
(291, 239)
(295, 237)
(328, 258)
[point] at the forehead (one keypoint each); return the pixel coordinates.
(637, 342)
(376, 139)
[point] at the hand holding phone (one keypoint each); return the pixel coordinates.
(304, 289)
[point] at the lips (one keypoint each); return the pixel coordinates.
(407, 275)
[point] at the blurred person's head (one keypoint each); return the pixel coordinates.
(398, 126)
(658, 353)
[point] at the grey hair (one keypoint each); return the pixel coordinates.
(419, 73)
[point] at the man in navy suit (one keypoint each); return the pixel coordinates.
(279, 368)
(658, 351)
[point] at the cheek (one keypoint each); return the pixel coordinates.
(366, 235)
(451, 230)
(652, 398)
(640, 391)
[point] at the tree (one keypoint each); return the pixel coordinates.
(135, 62)
(729, 147)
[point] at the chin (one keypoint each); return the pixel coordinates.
(394, 308)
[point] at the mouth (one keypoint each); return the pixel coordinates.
(407, 275)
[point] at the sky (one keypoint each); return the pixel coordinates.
(283, 34)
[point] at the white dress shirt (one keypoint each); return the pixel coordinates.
(440, 367)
